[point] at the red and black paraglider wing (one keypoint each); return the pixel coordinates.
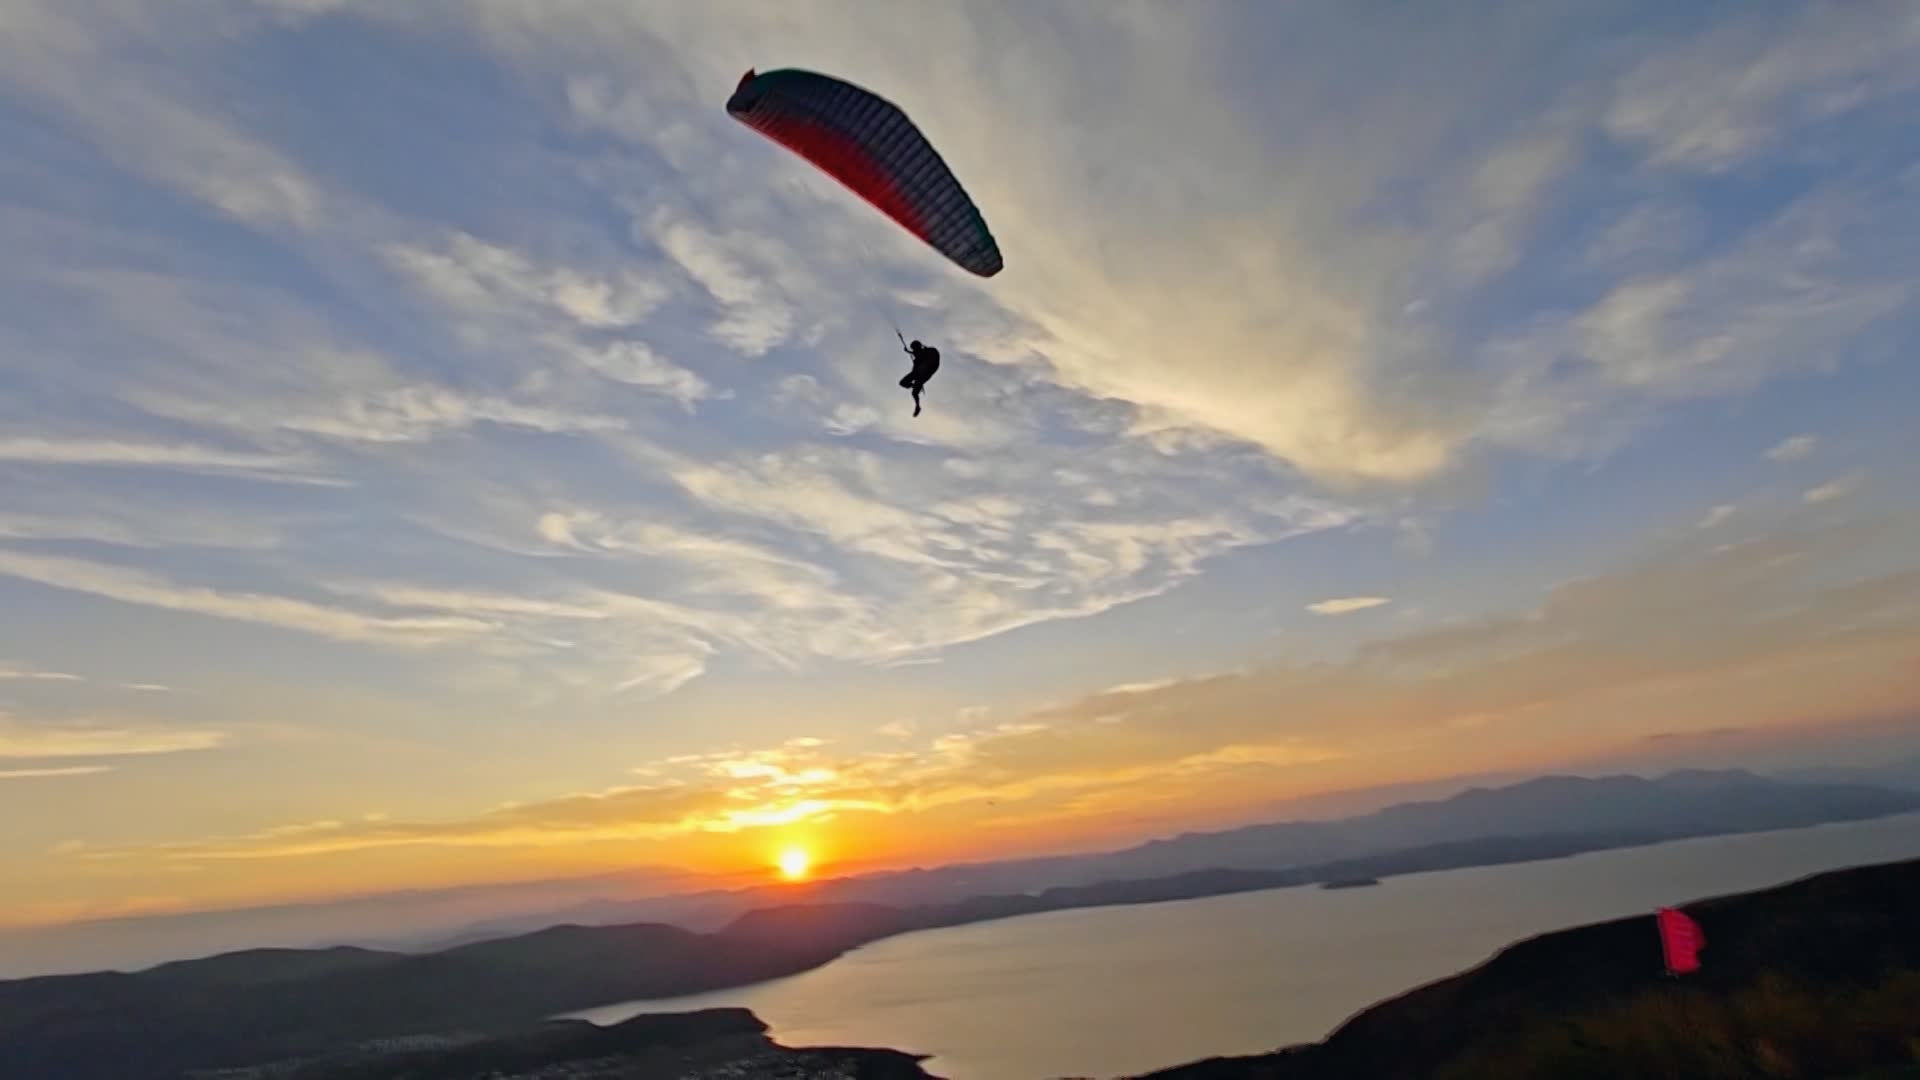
(868, 144)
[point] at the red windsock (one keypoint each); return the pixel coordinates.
(1681, 940)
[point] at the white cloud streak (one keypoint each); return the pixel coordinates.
(1833, 489)
(69, 770)
(1797, 448)
(150, 590)
(40, 450)
(1346, 605)
(23, 741)
(10, 673)
(474, 275)
(1717, 516)
(1751, 82)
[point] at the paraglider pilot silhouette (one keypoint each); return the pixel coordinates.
(926, 361)
(868, 144)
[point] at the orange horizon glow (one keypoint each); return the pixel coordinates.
(1024, 818)
(795, 863)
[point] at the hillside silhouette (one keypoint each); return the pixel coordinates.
(1816, 978)
(705, 1043)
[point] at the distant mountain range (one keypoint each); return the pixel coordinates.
(1674, 806)
(1901, 775)
(261, 1005)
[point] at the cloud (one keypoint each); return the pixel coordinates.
(1144, 687)
(1794, 293)
(1717, 516)
(70, 770)
(415, 413)
(1797, 448)
(630, 813)
(1751, 82)
(10, 673)
(1505, 194)
(473, 275)
(635, 364)
(1703, 735)
(147, 114)
(19, 740)
(755, 318)
(130, 524)
(661, 674)
(552, 307)
(1646, 235)
(1833, 489)
(137, 587)
(729, 792)
(1346, 605)
(832, 585)
(37, 450)
(1760, 629)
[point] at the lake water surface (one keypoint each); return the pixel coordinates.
(1113, 991)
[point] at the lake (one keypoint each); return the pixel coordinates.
(1113, 991)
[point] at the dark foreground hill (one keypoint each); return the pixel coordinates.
(1817, 978)
(264, 1005)
(710, 1043)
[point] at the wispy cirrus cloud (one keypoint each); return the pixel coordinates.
(415, 413)
(1745, 85)
(637, 364)
(474, 275)
(70, 740)
(40, 774)
(1796, 448)
(41, 450)
(555, 307)
(27, 674)
(1772, 304)
(150, 117)
(1346, 605)
(14, 673)
(1717, 516)
(1833, 489)
(131, 521)
(755, 317)
(137, 587)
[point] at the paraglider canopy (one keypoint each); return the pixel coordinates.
(868, 144)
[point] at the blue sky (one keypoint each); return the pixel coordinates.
(412, 415)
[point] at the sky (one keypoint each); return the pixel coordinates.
(439, 445)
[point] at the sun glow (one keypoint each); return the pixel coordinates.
(794, 863)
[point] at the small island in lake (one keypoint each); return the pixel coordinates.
(1350, 883)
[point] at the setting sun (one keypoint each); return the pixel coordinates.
(794, 863)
